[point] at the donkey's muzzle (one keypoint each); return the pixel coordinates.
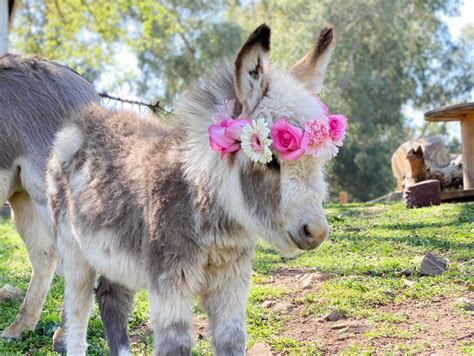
(310, 237)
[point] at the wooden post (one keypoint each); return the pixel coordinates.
(467, 132)
(4, 21)
(343, 197)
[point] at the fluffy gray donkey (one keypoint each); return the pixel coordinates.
(154, 207)
(37, 97)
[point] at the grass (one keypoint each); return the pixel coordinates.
(369, 246)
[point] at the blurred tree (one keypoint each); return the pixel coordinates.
(175, 41)
(186, 46)
(387, 52)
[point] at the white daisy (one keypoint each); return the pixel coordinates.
(255, 141)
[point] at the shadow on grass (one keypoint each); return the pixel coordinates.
(359, 240)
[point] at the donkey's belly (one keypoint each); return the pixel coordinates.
(107, 258)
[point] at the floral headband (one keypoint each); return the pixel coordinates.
(319, 137)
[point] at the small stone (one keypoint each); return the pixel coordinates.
(406, 272)
(356, 329)
(408, 283)
(334, 315)
(389, 293)
(283, 307)
(268, 304)
(339, 326)
(308, 280)
(432, 265)
(259, 349)
(465, 303)
(9, 293)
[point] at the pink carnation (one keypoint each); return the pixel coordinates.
(318, 137)
(288, 140)
(225, 136)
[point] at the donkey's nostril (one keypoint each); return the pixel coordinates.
(306, 232)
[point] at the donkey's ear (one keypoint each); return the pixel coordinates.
(251, 66)
(311, 68)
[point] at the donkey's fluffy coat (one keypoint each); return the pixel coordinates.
(153, 207)
(36, 98)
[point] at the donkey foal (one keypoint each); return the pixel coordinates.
(154, 207)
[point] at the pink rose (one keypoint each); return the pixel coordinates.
(337, 128)
(288, 140)
(225, 136)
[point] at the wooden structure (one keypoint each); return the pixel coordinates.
(465, 114)
(434, 153)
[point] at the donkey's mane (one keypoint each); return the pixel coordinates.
(195, 109)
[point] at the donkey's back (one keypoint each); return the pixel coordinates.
(37, 97)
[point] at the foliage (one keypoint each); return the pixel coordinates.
(175, 41)
(369, 246)
(388, 54)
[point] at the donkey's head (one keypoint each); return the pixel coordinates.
(275, 189)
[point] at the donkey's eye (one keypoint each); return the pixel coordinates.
(274, 163)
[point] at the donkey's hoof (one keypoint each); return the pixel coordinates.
(11, 333)
(59, 341)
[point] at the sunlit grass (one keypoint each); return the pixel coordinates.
(368, 247)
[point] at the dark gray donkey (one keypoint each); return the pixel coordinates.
(154, 207)
(37, 97)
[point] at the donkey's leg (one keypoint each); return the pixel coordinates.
(225, 303)
(79, 280)
(59, 336)
(41, 249)
(171, 317)
(115, 304)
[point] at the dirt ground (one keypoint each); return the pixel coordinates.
(434, 324)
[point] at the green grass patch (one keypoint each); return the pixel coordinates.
(368, 247)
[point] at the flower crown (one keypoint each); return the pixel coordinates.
(320, 137)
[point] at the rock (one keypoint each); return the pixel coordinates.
(283, 307)
(259, 349)
(406, 272)
(356, 329)
(465, 303)
(334, 315)
(408, 283)
(339, 326)
(308, 280)
(268, 304)
(432, 265)
(9, 293)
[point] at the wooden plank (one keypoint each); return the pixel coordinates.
(467, 135)
(450, 113)
(458, 195)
